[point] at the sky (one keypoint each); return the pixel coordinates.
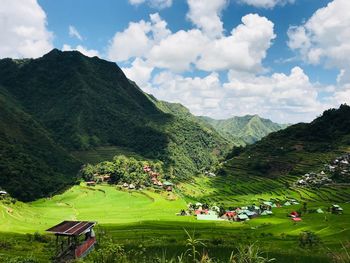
(286, 60)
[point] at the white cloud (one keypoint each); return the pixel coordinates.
(324, 38)
(81, 49)
(243, 50)
(266, 3)
(23, 29)
(73, 32)
(132, 42)
(281, 97)
(178, 50)
(159, 4)
(206, 16)
(139, 72)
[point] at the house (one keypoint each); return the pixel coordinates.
(125, 185)
(242, 217)
(3, 192)
(287, 204)
(336, 209)
(210, 215)
(91, 183)
(131, 186)
(294, 214)
(266, 212)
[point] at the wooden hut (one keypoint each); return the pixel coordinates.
(74, 239)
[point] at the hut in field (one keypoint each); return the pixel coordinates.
(91, 183)
(74, 239)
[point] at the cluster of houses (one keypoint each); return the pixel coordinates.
(154, 177)
(244, 213)
(340, 165)
(314, 179)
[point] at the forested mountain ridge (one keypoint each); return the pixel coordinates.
(80, 103)
(296, 150)
(243, 130)
(32, 165)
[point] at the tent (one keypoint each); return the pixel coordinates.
(243, 217)
(266, 212)
(319, 211)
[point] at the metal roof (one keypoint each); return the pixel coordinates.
(71, 228)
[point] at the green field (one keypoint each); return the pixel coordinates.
(147, 218)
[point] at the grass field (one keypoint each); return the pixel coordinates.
(148, 219)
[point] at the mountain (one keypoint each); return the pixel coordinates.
(243, 130)
(32, 165)
(296, 150)
(80, 103)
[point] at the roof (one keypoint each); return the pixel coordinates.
(71, 228)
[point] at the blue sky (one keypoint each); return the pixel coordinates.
(277, 63)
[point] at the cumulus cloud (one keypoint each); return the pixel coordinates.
(324, 38)
(23, 29)
(137, 39)
(73, 32)
(281, 97)
(265, 3)
(206, 15)
(81, 49)
(244, 49)
(140, 72)
(159, 4)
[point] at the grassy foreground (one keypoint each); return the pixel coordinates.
(147, 220)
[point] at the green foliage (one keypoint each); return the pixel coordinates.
(308, 239)
(244, 130)
(65, 101)
(297, 149)
(249, 254)
(123, 169)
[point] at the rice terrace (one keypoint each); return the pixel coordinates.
(174, 131)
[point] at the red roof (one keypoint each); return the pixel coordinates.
(71, 228)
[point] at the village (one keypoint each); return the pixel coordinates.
(154, 180)
(337, 171)
(245, 213)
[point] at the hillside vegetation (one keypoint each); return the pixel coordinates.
(81, 104)
(32, 165)
(295, 150)
(243, 130)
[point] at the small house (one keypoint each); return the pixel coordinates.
(210, 215)
(287, 204)
(294, 214)
(242, 217)
(336, 209)
(91, 183)
(74, 239)
(3, 192)
(125, 185)
(266, 212)
(131, 186)
(319, 211)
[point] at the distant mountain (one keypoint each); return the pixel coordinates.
(78, 103)
(296, 150)
(243, 130)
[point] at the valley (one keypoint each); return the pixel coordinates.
(61, 139)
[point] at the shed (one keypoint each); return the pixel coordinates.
(3, 192)
(74, 239)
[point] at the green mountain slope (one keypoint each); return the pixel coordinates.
(84, 103)
(297, 149)
(243, 130)
(31, 164)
